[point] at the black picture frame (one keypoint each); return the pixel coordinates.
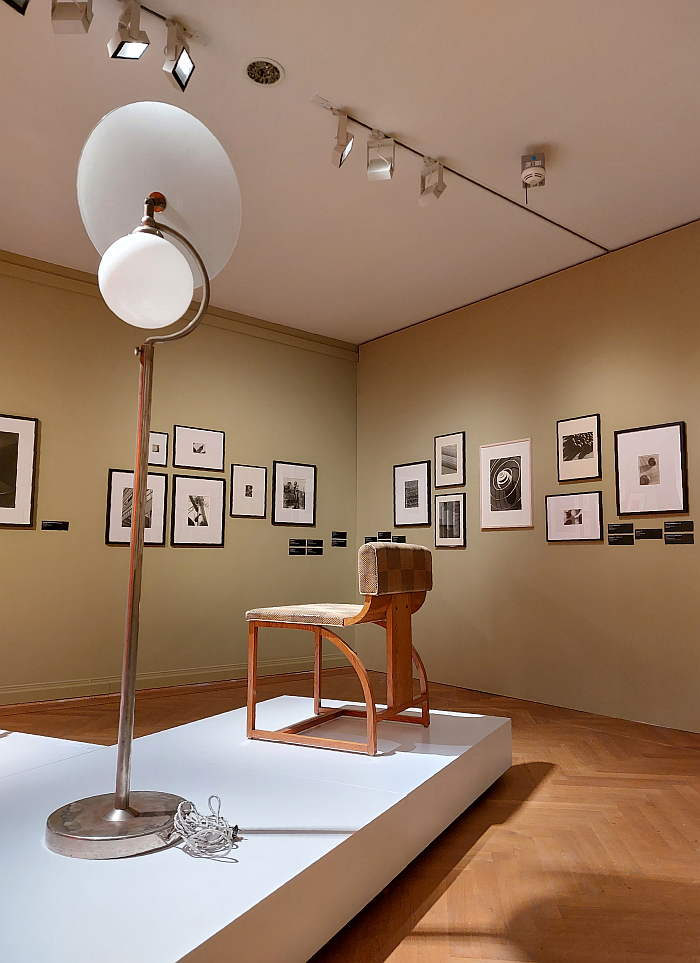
(460, 478)
(622, 471)
(585, 423)
(21, 467)
(180, 439)
(420, 515)
(109, 527)
(176, 523)
(162, 459)
(262, 514)
(446, 541)
(572, 498)
(19, 5)
(281, 515)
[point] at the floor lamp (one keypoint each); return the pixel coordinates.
(147, 281)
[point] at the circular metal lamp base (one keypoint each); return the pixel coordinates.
(93, 829)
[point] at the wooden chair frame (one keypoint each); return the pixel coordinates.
(393, 613)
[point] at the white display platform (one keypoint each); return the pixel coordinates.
(324, 832)
(20, 751)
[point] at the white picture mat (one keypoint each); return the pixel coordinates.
(116, 532)
(520, 518)
(210, 534)
(21, 514)
(583, 467)
(458, 477)
(304, 473)
(241, 504)
(420, 515)
(459, 540)
(589, 503)
(184, 441)
(667, 496)
(158, 457)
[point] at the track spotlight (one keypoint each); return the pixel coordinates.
(129, 42)
(178, 63)
(71, 16)
(344, 139)
(19, 5)
(381, 152)
(432, 181)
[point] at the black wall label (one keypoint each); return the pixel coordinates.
(339, 543)
(648, 533)
(399, 538)
(297, 542)
(383, 536)
(679, 538)
(678, 525)
(297, 549)
(370, 538)
(314, 550)
(620, 539)
(620, 528)
(54, 526)
(339, 534)
(314, 542)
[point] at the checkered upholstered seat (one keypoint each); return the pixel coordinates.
(320, 614)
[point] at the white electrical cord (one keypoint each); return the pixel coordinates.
(204, 835)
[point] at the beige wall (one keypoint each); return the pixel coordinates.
(607, 629)
(65, 360)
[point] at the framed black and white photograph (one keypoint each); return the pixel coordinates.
(293, 493)
(450, 459)
(120, 507)
(248, 491)
(575, 517)
(158, 448)
(651, 470)
(198, 448)
(18, 448)
(450, 520)
(198, 511)
(506, 485)
(412, 494)
(578, 448)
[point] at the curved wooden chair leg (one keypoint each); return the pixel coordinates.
(423, 681)
(366, 684)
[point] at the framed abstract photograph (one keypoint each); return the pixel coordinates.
(651, 470)
(158, 448)
(412, 494)
(18, 448)
(120, 506)
(575, 517)
(198, 511)
(198, 448)
(248, 491)
(578, 448)
(293, 493)
(506, 485)
(450, 459)
(450, 520)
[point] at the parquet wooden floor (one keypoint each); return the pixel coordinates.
(586, 851)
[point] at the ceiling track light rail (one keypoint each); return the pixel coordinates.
(375, 136)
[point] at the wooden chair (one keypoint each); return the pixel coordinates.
(394, 579)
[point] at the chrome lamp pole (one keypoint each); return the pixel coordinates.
(126, 823)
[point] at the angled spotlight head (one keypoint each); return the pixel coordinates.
(381, 152)
(178, 63)
(432, 181)
(19, 5)
(344, 139)
(71, 16)
(129, 42)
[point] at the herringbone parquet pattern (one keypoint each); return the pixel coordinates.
(587, 851)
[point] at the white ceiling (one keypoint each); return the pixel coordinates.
(609, 89)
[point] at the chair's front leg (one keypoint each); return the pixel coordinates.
(318, 665)
(252, 675)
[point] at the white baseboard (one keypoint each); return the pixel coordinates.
(75, 688)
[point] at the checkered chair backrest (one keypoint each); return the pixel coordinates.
(386, 568)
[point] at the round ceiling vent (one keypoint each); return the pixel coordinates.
(264, 72)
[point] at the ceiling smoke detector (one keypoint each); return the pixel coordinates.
(532, 170)
(264, 72)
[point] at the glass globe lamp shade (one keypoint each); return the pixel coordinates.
(145, 280)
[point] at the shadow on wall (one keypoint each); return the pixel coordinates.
(378, 929)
